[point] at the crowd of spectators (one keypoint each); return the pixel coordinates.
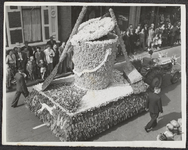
(36, 62)
(145, 37)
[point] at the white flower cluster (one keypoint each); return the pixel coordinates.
(93, 29)
(117, 77)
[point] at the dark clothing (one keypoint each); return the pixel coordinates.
(29, 48)
(142, 40)
(154, 104)
(22, 61)
(132, 43)
(39, 56)
(49, 68)
(126, 39)
(21, 88)
(145, 35)
(51, 43)
(153, 122)
(56, 58)
(173, 35)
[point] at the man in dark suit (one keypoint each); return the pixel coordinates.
(154, 105)
(21, 87)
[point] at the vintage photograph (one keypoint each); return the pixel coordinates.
(94, 73)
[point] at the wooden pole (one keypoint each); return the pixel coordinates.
(66, 50)
(129, 65)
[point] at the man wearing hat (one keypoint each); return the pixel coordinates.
(21, 87)
(154, 106)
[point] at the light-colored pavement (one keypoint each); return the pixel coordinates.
(20, 121)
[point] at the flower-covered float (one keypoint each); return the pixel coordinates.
(97, 96)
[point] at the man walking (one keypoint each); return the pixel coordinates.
(21, 87)
(154, 105)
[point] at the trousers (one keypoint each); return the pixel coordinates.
(17, 96)
(153, 121)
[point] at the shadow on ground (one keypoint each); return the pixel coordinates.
(164, 120)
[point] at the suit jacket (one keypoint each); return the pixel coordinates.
(29, 48)
(20, 83)
(153, 103)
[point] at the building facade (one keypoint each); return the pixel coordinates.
(36, 24)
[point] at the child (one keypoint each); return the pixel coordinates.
(42, 68)
(31, 68)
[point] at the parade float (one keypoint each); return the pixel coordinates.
(97, 96)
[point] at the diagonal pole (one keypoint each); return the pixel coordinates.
(66, 50)
(120, 39)
(131, 72)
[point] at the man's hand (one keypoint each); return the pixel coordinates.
(146, 109)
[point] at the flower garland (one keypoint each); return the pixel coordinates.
(69, 98)
(83, 125)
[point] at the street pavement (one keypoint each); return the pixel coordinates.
(20, 121)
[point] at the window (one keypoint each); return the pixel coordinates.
(14, 27)
(32, 26)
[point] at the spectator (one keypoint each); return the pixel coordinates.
(49, 54)
(150, 35)
(178, 34)
(31, 68)
(137, 37)
(27, 53)
(145, 33)
(56, 57)
(39, 55)
(51, 42)
(132, 40)
(164, 37)
(174, 31)
(34, 50)
(168, 18)
(15, 52)
(27, 49)
(142, 39)
(169, 30)
(130, 27)
(22, 60)
(42, 68)
(11, 61)
(126, 39)
(156, 41)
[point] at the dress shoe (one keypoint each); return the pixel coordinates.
(148, 130)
